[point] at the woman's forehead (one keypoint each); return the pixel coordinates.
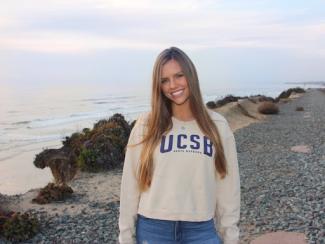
(171, 67)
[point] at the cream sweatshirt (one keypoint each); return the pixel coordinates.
(184, 185)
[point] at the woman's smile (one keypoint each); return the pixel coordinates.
(177, 93)
(174, 84)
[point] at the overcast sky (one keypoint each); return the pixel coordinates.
(113, 44)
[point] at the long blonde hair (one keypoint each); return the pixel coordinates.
(159, 120)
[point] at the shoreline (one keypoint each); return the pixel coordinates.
(235, 115)
(239, 115)
(31, 177)
(96, 195)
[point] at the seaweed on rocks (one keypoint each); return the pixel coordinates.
(93, 150)
(52, 193)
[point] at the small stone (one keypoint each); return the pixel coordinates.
(301, 149)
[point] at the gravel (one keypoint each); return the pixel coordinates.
(280, 189)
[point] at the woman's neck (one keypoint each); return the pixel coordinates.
(182, 113)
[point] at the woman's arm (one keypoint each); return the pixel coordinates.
(129, 194)
(228, 194)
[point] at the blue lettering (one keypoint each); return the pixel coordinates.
(207, 146)
(194, 139)
(170, 144)
(179, 141)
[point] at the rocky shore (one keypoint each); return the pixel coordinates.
(284, 188)
(282, 168)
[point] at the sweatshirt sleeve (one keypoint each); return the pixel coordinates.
(228, 194)
(129, 194)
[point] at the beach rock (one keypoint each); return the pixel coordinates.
(301, 149)
(62, 162)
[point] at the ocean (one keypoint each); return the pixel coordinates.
(30, 122)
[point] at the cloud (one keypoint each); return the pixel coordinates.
(89, 26)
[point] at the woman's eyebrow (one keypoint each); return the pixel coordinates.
(177, 73)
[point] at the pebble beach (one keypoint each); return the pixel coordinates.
(282, 167)
(282, 188)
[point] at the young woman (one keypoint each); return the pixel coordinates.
(180, 175)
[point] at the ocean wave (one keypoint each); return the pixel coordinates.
(21, 122)
(19, 152)
(21, 141)
(101, 102)
(13, 111)
(59, 121)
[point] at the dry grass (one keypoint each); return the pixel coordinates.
(268, 108)
(299, 108)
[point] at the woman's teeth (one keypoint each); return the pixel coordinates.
(175, 94)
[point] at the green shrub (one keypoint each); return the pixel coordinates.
(20, 227)
(99, 148)
(87, 160)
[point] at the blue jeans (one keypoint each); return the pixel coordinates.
(156, 231)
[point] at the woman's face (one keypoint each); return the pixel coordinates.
(174, 84)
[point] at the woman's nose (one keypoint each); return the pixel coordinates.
(172, 83)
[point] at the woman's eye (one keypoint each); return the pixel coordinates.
(163, 81)
(179, 75)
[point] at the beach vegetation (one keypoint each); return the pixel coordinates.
(87, 161)
(228, 99)
(17, 227)
(52, 193)
(211, 104)
(93, 150)
(287, 93)
(268, 108)
(260, 98)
